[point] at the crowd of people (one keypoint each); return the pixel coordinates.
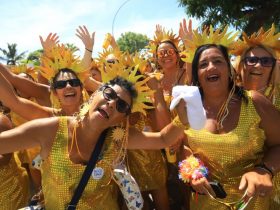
(55, 115)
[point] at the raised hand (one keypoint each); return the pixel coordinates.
(51, 41)
(185, 31)
(87, 38)
(159, 29)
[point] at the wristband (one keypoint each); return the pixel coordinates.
(88, 50)
(265, 168)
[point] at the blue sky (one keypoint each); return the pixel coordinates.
(22, 21)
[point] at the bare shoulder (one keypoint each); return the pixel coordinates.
(262, 104)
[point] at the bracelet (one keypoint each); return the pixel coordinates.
(88, 50)
(192, 168)
(177, 122)
(265, 168)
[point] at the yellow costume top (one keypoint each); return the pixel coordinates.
(14, 186)
(275, 196)
(60, 176)
(228, 156)
(147, 166)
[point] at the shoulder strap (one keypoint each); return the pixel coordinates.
(88, 170)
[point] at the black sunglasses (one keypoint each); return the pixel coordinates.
(121, 105)
(63, 83)
(265, 61)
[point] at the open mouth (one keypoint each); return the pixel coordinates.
(213, 78)
(103, 113)
(70, 95)
(255, 73)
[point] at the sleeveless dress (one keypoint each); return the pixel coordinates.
(228, 156)
(147, 166)
(60, 176)
(14, 185)
(275, 196)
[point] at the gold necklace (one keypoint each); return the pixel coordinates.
(74, 141)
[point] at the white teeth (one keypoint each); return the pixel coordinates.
(69, 94)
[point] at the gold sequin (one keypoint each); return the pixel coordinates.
(228, 156)
(60, 176)
(14, 186)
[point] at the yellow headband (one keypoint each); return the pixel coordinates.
(208, 36)
(58, 58)
(268, 39)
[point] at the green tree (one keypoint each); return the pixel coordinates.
(33, 57)
(132, 42)
(246, 15)
(72, 47)
(11, 55)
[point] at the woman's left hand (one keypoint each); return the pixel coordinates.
(257, 183)
(84, 35)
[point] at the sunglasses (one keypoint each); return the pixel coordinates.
(121, 105)
(63, 83)
(265, 61)
(163, 52)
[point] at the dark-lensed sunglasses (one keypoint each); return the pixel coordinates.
(163, 52)
(63, 83)
(121, 105)
(265, 61)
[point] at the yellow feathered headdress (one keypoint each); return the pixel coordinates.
(23, 68)
(267, 38)
(61, 57)
(144, 93)
(160, 36)
(208, 36)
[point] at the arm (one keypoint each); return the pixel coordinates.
(91, 84)
(31, 89)
(155, 140)
(23, 107)
(5, 124)
(259, 180)
(40, 132)
(161, 112)
(88, 40)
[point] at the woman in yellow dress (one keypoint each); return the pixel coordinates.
(231, 143)
(258, 69)
(64, 163)
(14, 183)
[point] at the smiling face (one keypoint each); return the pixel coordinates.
(71, 94)
(167, 56)
(110, 104)
(213, 71)
(256, 77)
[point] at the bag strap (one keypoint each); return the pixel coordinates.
(87, 172)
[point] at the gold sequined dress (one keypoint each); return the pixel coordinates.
(60, 176)
(14, 186)
(275, 196)
(228, 156)
(148, 167)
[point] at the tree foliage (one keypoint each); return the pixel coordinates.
(132, 42)
(11, 55)
(246, 15)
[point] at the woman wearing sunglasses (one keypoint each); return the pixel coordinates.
(168, 62)
(67, 143)
(258, 69)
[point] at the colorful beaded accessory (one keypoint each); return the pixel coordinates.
(192, 168)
